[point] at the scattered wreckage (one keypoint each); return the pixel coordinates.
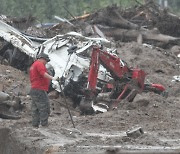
(89, 68)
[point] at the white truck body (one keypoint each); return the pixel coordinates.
(64, 64)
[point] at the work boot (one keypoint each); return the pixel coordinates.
(45, 126)
(35, 126)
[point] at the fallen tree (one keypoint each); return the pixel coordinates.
(141, 36)
(146, 23)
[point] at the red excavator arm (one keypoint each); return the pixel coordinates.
(127, 82)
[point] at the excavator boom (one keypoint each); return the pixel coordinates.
(127, 82)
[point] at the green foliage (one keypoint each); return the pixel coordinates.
(44, 10)
(175, 6)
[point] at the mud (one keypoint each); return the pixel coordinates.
(157, 115)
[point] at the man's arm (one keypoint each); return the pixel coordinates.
(46, 75)
(42, 71)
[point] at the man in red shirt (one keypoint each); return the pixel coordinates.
(40, 80)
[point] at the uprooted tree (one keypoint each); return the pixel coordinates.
(145, 23)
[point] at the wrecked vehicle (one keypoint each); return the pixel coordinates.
(87, 71)
(17, 50)
(68, 53)
(86, 66)
(125, 82)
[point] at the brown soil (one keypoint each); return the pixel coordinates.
(158, 116)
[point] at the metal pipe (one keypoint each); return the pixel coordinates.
(66, 104)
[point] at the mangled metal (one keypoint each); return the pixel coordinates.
(17, 39)
(70, 55)
(17, 50)
(71, 60)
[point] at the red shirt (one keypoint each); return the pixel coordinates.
(37, 79)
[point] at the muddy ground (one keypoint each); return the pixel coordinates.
(158, 116)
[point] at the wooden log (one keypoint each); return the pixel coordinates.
(111, 17)
(133, 35)
(113, 22)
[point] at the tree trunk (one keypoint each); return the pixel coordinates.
(140, 35)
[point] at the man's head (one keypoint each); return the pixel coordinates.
(43, 56)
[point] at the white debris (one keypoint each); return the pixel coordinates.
(176, 78)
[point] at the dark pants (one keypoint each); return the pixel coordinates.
(40, 107)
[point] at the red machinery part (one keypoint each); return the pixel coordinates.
(158, 86)
(139, 75)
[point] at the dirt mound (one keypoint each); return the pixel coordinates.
(158, 115)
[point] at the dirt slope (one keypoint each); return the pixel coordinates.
(158, 116)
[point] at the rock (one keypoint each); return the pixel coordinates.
(4, 96)
(135, 132)
(175, 50)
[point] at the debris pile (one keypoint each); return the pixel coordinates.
(146, 23)
(145, 37)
